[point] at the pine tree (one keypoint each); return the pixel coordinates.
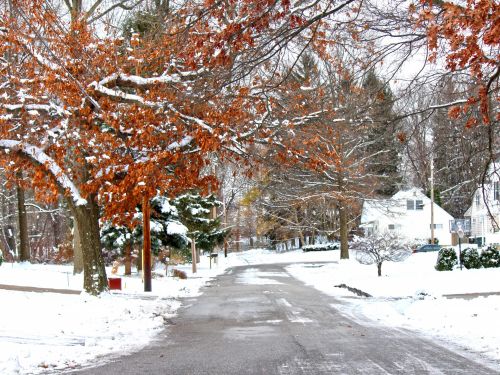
(382, 135)
(166, 230)
(196, 212)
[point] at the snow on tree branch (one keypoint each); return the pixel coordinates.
(39, 156)
(49, 108)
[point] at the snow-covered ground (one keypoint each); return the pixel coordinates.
(49, 331)
(42, 331)
(413, 295)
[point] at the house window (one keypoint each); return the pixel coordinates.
(436, 226)
(419, 204)
(478, 200)
(410, 204)
(392, 226)
(496, 190)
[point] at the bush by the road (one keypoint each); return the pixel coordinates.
(447, 259)
(470, 258)
(380, 247)
(490, 257)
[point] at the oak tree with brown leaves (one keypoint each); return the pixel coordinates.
(109, 121)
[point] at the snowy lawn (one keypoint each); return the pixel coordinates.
(412, 294)
(47, 331)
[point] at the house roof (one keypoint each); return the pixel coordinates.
(395, 206)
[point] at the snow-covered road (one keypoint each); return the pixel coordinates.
(41, 332)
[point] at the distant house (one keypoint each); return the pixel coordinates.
(483, 229)
(409, 213)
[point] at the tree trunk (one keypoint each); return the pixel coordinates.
(344, 239)
(87, 223)
(146, 245)
(77, 250)
(379, 269)
(128, 257)
(301, 233)
(238, 230)
(24, 246)
(139, 259)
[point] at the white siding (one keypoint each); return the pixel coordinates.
(413, 224)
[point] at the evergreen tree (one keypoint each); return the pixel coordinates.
(382, 135)
(195, 212)
(460, 151)
(166, 230)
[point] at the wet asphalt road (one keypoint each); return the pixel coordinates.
(260, 320)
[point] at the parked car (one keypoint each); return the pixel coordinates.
(322, 247)
(427, 247)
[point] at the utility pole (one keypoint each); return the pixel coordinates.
(146, 249)
(432, 199)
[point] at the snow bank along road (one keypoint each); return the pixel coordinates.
(260, 320)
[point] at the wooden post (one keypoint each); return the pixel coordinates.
(193, 255)
(128, 255)
(146, 249)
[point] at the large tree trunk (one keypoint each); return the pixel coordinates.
(77, 250)
(24, 246)
(344, 239)
(87, 223)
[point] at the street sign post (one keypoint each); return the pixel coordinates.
(461, 227)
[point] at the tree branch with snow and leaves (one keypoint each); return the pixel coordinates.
(381, 247)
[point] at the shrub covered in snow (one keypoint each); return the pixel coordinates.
(379, 247)
(490, 257)
(470, 258)
(321, 247)
(447, 259)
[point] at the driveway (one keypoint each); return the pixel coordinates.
(260, 320)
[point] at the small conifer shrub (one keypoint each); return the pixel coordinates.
(470, 258)
(490, 257)
(447, 259)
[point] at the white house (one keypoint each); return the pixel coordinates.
(483, 228)
(409, 213)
